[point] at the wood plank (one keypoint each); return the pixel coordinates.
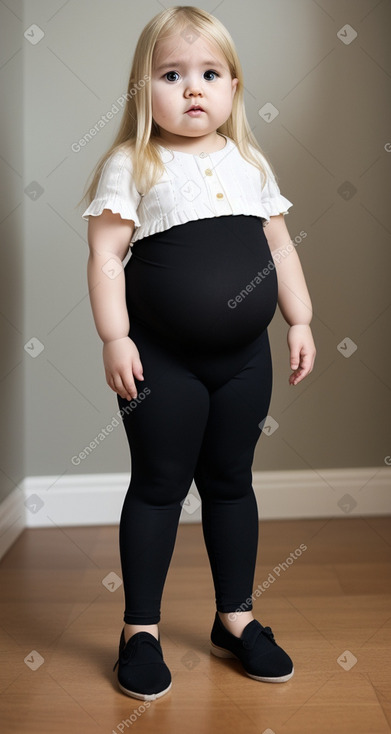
(335, 597)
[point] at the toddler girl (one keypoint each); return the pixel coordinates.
(184, 324)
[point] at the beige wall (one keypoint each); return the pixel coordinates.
(333, 126)
(12, 239)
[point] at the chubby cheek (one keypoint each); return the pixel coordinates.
(155, 97)
(155, 103)
(228, 99)
(160, 105)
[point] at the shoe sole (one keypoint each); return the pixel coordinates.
(144, 696)
(222, 652)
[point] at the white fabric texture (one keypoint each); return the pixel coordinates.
(193, 186)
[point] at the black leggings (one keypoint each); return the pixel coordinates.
(197, 415)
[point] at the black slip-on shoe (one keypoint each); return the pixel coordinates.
(256, 649)
(142, 672)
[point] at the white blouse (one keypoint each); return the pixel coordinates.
(193, 186)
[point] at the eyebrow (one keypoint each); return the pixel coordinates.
(171, 64)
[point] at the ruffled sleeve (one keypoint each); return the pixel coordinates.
(116, 189)
(273, 201)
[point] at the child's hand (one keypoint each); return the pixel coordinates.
(122, 360)
(302, 349)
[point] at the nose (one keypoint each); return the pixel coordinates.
(193, 89)
(193, 92)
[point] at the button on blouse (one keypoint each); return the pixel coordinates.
(191, 187)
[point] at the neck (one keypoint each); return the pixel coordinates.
(185, 144)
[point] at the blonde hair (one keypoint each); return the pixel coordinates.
(137, 126)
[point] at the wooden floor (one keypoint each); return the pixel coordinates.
(330, 609)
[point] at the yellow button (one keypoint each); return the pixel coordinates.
(220, 196)
(208, 172)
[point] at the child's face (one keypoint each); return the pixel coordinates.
(187, 80)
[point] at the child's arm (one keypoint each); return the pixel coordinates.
(293, 298)
(108, 237)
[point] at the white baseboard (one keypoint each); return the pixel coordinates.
(96, 499)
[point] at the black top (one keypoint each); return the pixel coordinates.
(206, 284)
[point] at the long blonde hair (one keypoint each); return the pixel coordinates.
(137, 126)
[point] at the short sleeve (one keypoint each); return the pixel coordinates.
(116, 189)
(272, 199)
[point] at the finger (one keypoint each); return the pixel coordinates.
(131, 390)
(138, 369)
(110, 382)
(305, 360)
(302, 372)
(296, 377)
(295, 359)
(126, 389)
(128, 376)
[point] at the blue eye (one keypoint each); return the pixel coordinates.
(171, 72)
(210, 71)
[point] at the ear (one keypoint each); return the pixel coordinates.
(235, 83)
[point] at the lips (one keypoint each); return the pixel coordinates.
(195, 107)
